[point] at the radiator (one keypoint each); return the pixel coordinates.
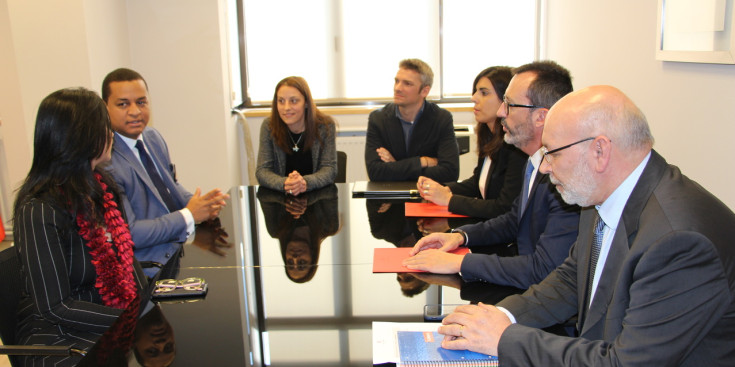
(352, 142)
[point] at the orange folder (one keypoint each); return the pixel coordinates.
(430, 210)
(389, 260)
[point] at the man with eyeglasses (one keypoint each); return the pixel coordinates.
(652, 273)
(540, 224)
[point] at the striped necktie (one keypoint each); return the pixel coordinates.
(595, 255)
(155, 177)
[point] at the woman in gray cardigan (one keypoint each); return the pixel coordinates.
(297, 150)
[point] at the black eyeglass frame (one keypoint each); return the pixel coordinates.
(508, 105)
(547, 152)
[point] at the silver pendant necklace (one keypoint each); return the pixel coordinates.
(295, 143)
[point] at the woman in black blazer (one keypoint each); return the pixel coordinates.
(73, 243)
(497, 179)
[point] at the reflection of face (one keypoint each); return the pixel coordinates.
(407, 89)
(291, 106)
(298, 258)
(410, 285)
(155, 344)
(486, 103)
(128, 107)
(518, 122)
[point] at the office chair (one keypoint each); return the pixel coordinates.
(341, 167)
(10, 292)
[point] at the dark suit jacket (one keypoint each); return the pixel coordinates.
(157, 233)
(433, 136)
(502, 186)
(666, 296)
(543, 234)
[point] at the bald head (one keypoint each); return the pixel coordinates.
(595, 138)
(602, 110)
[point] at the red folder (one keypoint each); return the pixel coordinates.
(389, 260)
(2, 229)
(430, 210)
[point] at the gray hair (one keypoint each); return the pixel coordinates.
(427, 75)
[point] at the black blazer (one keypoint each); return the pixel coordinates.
(503, 185)
(433, 136)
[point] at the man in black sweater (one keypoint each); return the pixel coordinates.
(411, 137)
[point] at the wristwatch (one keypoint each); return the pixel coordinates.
(463, 233)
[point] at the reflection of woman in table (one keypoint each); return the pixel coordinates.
(300, 224)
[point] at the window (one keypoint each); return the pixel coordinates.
(348, 50)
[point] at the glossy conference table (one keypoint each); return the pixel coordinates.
(269, 305)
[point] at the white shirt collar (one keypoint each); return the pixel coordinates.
(535, 160)
(130, 142)
(612, 208)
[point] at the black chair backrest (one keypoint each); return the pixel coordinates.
(10, 288)
(341, 167)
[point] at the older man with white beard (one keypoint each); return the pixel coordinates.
(652, 273)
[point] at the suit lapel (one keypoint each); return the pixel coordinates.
(163, 168)
(397, 138)
(536, 182)
(624, 237)
(608, 278)
(490, 175)
(127, 154)
(584, 244)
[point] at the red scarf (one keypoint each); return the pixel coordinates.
(115, 280)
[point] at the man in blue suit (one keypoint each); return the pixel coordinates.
(541, 225)
(160, 211)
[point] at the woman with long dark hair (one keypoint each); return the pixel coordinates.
(297, 150)
(497, 178)
(72, 240)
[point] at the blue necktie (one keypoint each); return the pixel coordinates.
(155, 177)
(596, 245)
(526, 185)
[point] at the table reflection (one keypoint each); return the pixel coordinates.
(154, 343)
(388, 222)
(300, 224)
(257, 313)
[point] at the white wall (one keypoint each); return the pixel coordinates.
(688, 105)
(43, 48)
(179, 46)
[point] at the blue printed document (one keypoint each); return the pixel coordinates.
(423, 348)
